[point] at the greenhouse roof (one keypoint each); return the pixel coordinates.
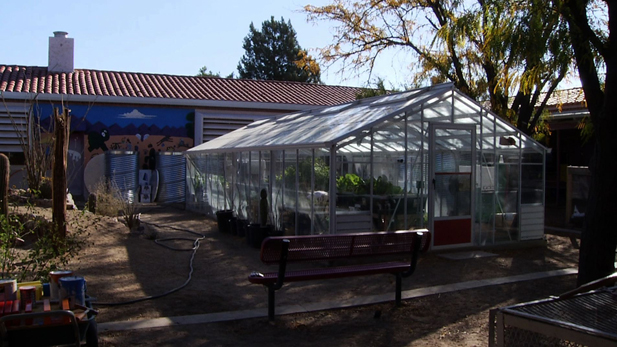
(327, 126)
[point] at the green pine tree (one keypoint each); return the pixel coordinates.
(274, 54)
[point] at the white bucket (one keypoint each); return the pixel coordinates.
(54, 284)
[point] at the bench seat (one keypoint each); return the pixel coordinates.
(334, 272)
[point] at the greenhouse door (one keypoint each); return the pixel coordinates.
(450, 195)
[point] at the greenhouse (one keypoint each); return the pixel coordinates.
(426, 158)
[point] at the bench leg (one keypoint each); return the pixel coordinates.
(399, 281)
(271, 303)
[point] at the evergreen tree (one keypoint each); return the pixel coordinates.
(274, 54)
(205, 72)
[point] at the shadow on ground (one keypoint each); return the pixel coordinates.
(219, 283)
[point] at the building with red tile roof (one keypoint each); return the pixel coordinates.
(140, 112)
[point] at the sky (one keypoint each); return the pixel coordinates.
(167, 37)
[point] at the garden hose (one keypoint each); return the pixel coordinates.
(159, 242)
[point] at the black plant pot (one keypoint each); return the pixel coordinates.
(252, 231)
(276, 232)
(241, 226)
(233, 225)
(257, 233)
(223, 218)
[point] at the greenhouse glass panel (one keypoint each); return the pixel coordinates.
(507, 196)
(415, 135)
(278, 190)
(466, 111)
(532, 171)
(395, 97)
(231, 179)
(504, 129)
(532, 184)
(441, 113)
(288, 214)
(305, 187)
(257, 169)
(196, 186)
(485, 198)
(488, 139)
(243, 188)
(353, 172)
(532, 152)
(320, 194)
(389, 175)
(417, 172)
(265, 183)
(216, 178)
(438, 109)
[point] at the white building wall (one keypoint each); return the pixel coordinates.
(532, 222)
(13, 120)
(211, 124)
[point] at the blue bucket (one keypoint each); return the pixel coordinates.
(74, 289)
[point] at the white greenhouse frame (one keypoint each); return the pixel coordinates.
(425, 158)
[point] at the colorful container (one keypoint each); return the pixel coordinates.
(28, 296)
(37, 284)
(54, 284)
(8, 289)
(74, 289)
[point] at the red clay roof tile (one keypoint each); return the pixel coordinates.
(32, 79)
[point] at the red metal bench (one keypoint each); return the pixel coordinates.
(282, 250)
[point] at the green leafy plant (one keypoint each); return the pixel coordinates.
(46, 188)
(11, 230)
(381, 186)
(305, 167)
(198, 182)
(30, 249)
(351, 183)
(50, 252)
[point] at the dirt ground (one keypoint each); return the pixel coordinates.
(121, 266)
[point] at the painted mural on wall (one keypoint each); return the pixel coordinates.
(146, 130)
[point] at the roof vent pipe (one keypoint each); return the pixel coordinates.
(61, 50)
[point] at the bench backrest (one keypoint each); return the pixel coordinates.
(342, 246)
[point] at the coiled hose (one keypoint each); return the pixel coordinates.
(159, 242)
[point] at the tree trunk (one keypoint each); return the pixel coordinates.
(5, 172)
(599, 239)
(61, 144)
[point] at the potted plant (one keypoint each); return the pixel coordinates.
(223, 219)
(257, 232)
(242, 221)
(276, 228)
(198, 188)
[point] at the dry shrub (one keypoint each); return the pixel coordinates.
(110, 201)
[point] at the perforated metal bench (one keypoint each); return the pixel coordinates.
(282, 250)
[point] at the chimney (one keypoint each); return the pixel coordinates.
(60, 53)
